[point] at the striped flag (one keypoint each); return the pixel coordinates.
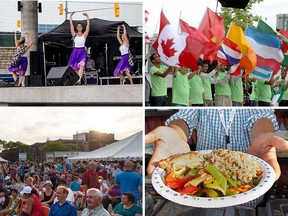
(230, 55)
(267, 50)
(248, 60)
(147, 39)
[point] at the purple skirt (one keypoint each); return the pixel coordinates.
(78, 58)
(21, 68)
(123, 65)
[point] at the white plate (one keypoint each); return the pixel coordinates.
(264, 185)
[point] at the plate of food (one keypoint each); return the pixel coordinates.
(212, 178)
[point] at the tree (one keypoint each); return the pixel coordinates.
(12, 149)
(57, 145)
(241, 17)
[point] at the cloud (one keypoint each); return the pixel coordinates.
(36, 124)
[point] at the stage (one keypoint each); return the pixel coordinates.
(85, 95)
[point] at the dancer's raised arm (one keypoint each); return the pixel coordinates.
(72, 30)
(88, 25)
(118, 35)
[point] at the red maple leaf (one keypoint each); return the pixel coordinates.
(166, 46)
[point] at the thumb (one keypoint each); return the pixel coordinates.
(153, 136)
(280, 143)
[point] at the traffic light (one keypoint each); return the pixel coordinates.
(61, 9)
(18, 23)
(116, 9)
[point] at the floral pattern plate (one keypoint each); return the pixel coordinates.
(206, 202)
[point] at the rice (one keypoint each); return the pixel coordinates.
(234, 163)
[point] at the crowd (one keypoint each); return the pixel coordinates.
(30, 188)
(213, 85)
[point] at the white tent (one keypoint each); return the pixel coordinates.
(3, 160)
(128, 148)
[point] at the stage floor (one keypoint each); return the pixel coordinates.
(86, 95)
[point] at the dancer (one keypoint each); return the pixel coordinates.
(19, 63)
(78, 56)
(123, 65)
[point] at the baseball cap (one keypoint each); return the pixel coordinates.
(48, 182)
(26, 190)
(7, 178)
(1, 179)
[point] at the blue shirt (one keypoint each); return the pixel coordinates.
(67, 209)
(74, 186)
(129, 181)
(211, 133)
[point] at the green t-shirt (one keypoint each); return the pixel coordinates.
(159, 84)
(180, 89)
(252, 96)
(225, 89)
(263, 91)
(119, 209)
(285, 93)
(207, 89)
(196, 90)
(237, 91)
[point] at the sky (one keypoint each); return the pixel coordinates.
(35, 124)
(193, 11)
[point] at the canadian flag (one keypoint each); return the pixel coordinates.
(146, 15)
(174, 49)
(147, 39)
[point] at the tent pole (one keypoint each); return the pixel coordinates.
(106, 56)
(44, 57)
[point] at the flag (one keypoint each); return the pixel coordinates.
(248, 60)
(175, 49)
(146, 16)
(284, 43)
(212, 26)
(236, 35)
(264, 27)
(267, 50)
(230, 55)
(196, 40)
(147, 39)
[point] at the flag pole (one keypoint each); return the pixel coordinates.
(179, 22)
(150, 46)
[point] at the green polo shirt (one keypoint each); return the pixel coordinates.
(263, 91)
(196, 90)
(159, 84)
(207, 89)
(222, 90)
(237, 91)
(252, 96)
(285, 93)
(180, 89)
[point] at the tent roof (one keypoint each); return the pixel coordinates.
(100, 31)
(3, 160)
(128, 148)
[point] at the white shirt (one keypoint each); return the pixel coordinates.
(79, 42)
(123, 49)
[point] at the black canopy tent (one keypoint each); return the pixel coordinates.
(56, 45)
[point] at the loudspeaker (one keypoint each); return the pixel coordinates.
(241, 4)
(62, 76)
